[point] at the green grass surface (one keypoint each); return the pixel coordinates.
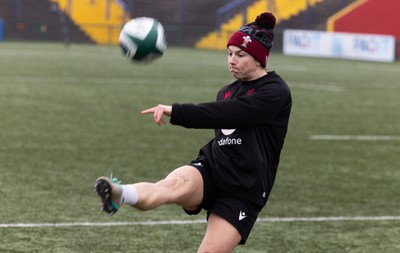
(70, 115)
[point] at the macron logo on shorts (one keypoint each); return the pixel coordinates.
(242, 215)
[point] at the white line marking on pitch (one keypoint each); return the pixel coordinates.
(186, 222)
(355, 137)
(318, 87)
(340, 218)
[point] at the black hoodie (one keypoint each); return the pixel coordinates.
(250, 119)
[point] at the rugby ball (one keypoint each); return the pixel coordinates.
(142, 39)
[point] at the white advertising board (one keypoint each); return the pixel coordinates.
(366, 47)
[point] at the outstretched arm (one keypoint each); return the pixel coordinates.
(158, 112)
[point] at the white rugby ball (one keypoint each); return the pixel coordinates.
(143, 39)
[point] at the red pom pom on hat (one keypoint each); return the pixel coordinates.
(266, 20)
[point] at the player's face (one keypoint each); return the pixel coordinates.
(241, 64)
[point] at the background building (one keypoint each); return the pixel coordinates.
(203, 24)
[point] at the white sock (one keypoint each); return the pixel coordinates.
(129, 195)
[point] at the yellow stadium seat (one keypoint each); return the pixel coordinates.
(282, 9)
(101, 20)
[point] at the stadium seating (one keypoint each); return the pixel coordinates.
(37, 20)
(283, 10)
(101, 20)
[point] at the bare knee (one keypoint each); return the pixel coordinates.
(167, 182)
(211, 249)
(220, 237)
(183, 186)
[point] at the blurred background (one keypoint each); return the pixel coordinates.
(200, 24)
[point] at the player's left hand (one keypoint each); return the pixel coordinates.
(158, 112)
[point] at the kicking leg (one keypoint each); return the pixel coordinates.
(183, 186)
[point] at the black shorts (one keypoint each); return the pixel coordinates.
(239, 212)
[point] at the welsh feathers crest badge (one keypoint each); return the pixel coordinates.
(246, 40)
